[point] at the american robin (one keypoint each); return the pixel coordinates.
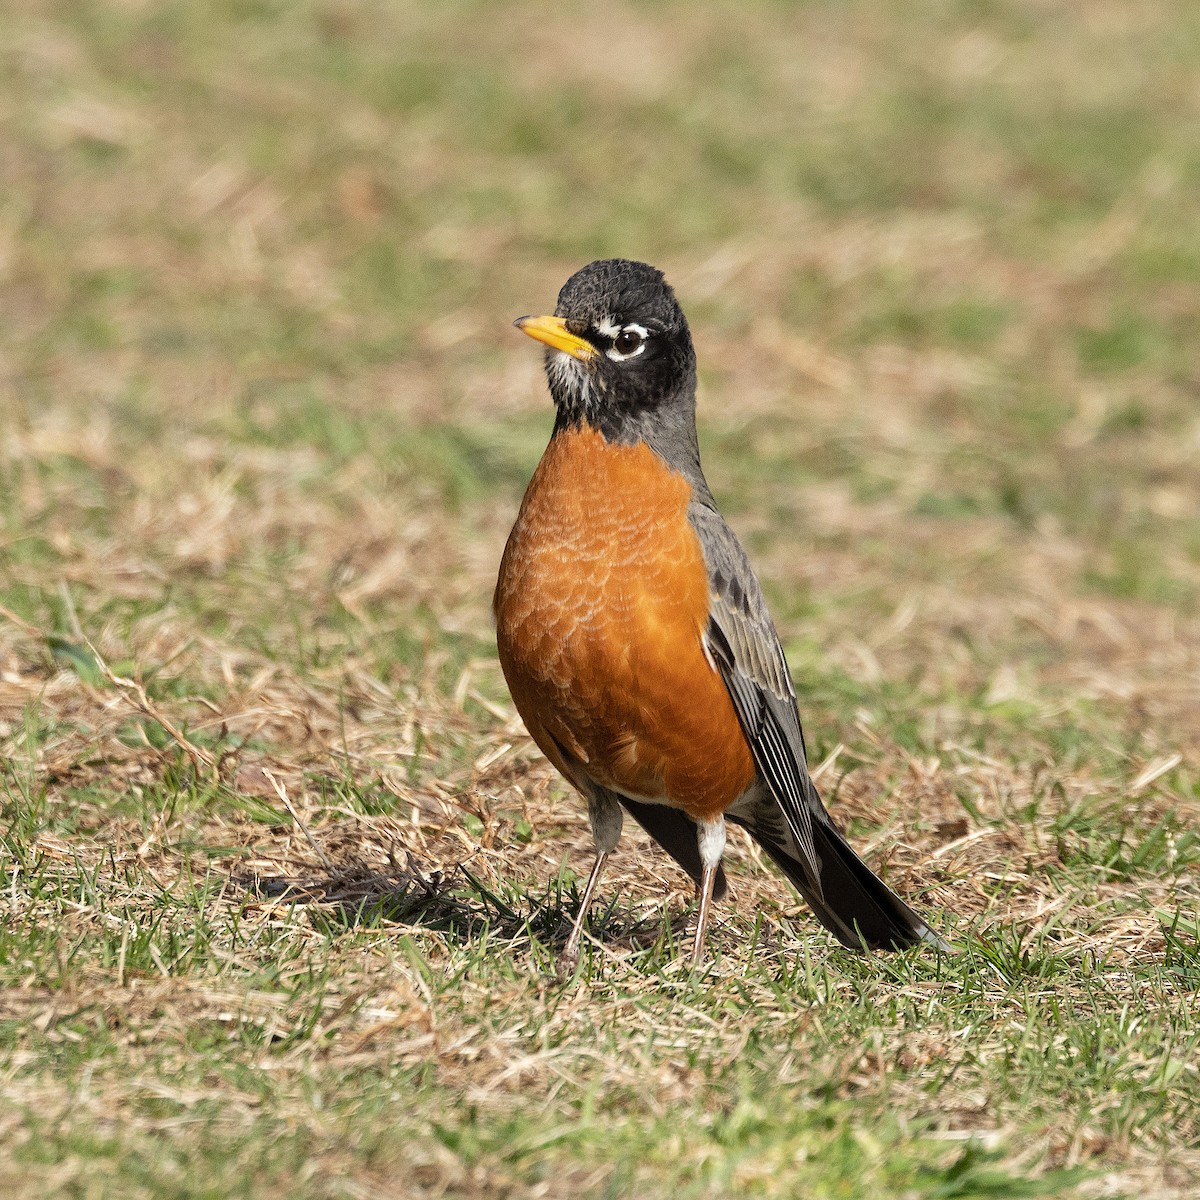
(633, 633)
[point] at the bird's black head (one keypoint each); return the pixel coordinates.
(619, 352)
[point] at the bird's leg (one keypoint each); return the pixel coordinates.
(711, 835)
(606, 817)
(571, 951)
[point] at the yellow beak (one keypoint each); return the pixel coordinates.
(554, 332)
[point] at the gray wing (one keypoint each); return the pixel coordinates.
(745, 648)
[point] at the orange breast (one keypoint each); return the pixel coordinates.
(600, 606)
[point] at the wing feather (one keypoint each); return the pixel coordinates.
(743, 643)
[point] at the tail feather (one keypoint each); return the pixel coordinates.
(855, 905)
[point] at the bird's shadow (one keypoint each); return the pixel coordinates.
(453, 901)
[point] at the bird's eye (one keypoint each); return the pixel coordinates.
(627, 341)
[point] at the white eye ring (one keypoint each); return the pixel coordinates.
(638, 331)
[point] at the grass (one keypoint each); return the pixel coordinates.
(282, 877)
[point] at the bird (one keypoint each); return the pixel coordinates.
(635, 637)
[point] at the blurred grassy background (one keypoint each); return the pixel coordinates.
(263, 428)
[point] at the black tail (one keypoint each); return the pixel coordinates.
(856, 906)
